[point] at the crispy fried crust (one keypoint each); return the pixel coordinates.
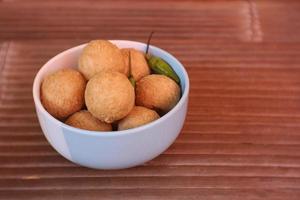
(109, 96)
(139, 67)
(85, 120)
(62, 93)
(137, 117)
(101, 55)
(157, 92)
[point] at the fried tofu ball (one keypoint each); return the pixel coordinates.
(62, 93)
(157, 92)
(137, 117)
(109, 96)
(85, 120)
(99, 56)
(139, 67)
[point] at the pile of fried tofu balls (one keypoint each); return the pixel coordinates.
(99, 96)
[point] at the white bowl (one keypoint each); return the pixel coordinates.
(118, 149)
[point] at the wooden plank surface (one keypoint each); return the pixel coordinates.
(241, 139)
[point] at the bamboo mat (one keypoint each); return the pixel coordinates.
(241, 139)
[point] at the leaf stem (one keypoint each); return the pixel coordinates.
(148, 42)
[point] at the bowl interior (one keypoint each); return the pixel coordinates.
(69, 59)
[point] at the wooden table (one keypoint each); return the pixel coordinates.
(241, 139)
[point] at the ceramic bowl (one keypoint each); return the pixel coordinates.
(118, 149)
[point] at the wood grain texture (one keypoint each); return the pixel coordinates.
(241, 139)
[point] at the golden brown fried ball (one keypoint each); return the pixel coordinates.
(109, 96)
(101, 55)
(139, 67)
(137, 117)
(85, 120)
(62, 93)
(157, 92)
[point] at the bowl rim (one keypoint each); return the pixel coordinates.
(40, 107)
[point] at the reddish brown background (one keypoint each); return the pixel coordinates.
(241, 139)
